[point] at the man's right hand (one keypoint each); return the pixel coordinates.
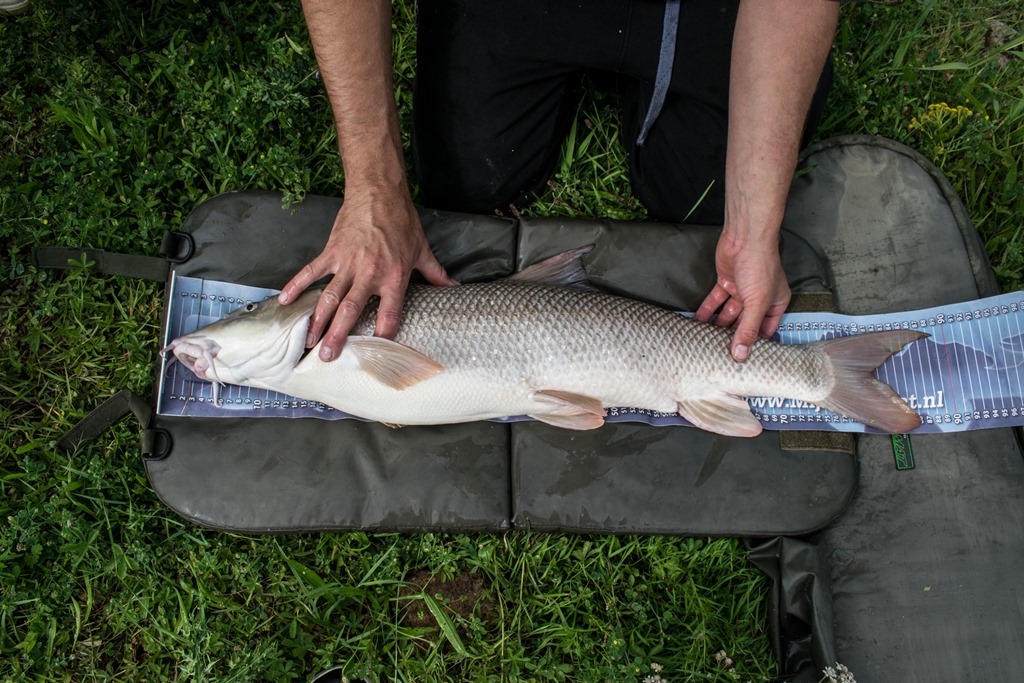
(374, 245)
(377, 239)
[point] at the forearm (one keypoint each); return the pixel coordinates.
(352, 40)
(779, 50)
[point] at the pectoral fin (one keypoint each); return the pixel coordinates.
(391, 363)
(724, 414)
(568, 410)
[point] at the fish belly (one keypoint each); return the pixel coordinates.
(461, 393)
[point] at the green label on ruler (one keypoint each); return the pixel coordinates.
(902, 452)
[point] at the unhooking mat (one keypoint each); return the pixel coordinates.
(485, 476)
(923, 561)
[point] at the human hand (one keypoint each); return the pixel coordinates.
(751, 293)
(374, 245)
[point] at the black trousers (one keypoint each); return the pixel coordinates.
(497, 88)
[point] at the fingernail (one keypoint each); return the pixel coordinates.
(309, 340)
(283, 297)
(326, 353)
(741, 352)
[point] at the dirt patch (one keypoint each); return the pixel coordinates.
(998, 35)
(464, 595)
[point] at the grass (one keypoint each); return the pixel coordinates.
(116, 119)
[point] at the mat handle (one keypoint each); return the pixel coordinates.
(175, 247)
(156, 443)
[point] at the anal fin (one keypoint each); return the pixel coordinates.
(568, 410)
(724, 414)
(582, 421)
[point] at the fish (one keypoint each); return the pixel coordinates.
(547, 344)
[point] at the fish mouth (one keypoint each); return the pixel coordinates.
(197, 356)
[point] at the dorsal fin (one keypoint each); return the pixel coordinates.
(562, 270)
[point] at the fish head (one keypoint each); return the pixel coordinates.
(256, 345)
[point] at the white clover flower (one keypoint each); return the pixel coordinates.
(847, 677)
(839, 674)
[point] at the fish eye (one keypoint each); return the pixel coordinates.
(251, 306)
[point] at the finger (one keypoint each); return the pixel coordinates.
(389, 312)
(770, 324)
(345, 317)
(433, 272)
(325, 309)
(774, 315)
(745, 336)
(730, 312)
(712, 302)
(309, 274)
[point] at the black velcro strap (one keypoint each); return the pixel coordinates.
(812, 302)
(111, 263)
(832, 442)
(156, 443)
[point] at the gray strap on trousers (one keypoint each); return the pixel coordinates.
(669, 31)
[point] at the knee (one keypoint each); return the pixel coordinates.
(472, 186)
(675, 187)
(462, 176)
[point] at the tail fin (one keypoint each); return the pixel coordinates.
(857, 393)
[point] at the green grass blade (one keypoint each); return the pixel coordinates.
(445, 623)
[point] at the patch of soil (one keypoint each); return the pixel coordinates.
(463, 595)
(998, 35)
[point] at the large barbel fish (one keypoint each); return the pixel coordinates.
(543, 343)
